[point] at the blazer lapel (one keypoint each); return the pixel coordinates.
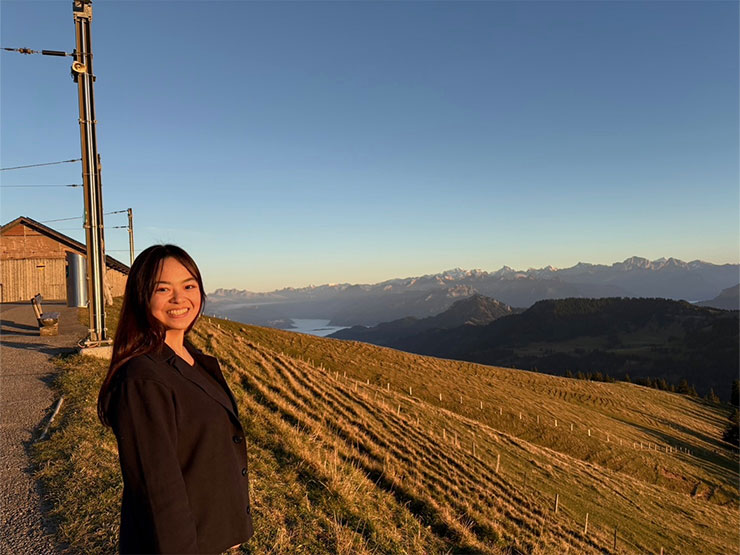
(198, 377)
(214, 369)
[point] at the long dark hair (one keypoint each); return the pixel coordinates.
(138, 331)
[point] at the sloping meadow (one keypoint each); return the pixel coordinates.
(359, 449)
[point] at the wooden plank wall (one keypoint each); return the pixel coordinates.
(22, 279)
(20, 241)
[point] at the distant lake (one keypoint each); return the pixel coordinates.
(314, 327)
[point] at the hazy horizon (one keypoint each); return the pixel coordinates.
(449, 269)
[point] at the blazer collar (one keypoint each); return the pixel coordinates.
(221, 393)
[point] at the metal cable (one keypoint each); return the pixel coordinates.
(35, 186)
(79, 217)
(62, 220)
(38, 165)
(44, 52)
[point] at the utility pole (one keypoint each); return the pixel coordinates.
(82, 73)
(131, 234)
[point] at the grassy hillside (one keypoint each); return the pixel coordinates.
(345, 458)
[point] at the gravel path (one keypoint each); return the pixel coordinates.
(26, 402)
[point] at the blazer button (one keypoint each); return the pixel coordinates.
(244, 471)
(249, 510)
(237, 439)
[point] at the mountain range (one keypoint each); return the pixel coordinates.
(475, 311)
(424, 296)
(642, 338)
(728, 299)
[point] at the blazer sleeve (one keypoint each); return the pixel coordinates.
(147, 443)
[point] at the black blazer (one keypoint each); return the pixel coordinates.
(183, 456)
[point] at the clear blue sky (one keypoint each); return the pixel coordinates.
(297, 143)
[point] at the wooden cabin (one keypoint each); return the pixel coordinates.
(33, 259)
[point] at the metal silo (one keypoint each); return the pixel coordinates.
(76, 280)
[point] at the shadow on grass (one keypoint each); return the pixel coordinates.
(427, 514)
(718, 463)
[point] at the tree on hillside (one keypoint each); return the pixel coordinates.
(686, 389)
(712, 397)
(732, 431)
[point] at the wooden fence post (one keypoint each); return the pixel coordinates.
(410, 394)
(571, 426)
(498, 460)
(444, 434)
(556, 422)
(557, 501)
(615, 538)
(440, 397)
(461, 399)
(585, 526)
(481, 405)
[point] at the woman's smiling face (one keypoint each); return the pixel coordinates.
(176, 299)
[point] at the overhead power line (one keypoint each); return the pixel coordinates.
(44, 52)
(38, 165)
(35, 186)
(79, 217)
(62, 220)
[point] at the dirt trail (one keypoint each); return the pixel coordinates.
(26, 402)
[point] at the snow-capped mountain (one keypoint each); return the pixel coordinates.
(422, 296)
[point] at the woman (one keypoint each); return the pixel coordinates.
(180, 444)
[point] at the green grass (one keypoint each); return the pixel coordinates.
(336, 467)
